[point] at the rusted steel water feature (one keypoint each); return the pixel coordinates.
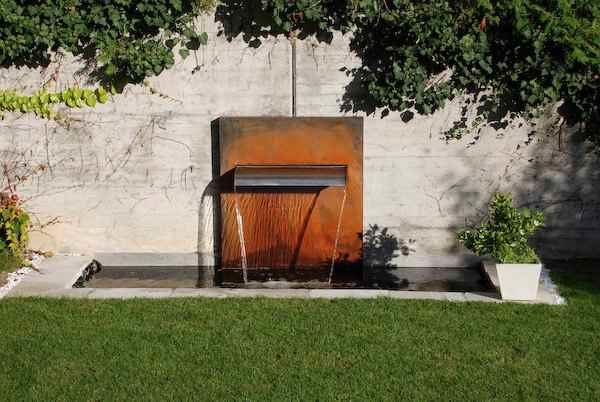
(293, 207)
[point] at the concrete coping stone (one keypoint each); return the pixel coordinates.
(57, 275)
(148, 259)
(459, 260)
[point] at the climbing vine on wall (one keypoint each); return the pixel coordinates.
(122, 41)
(508, 58)
(41, 103)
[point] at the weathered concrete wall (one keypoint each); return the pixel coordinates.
(134, 174)
(425, 189)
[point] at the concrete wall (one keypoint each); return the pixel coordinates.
(134, 174)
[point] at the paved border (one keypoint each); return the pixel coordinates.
(57, 274)
(54, 274)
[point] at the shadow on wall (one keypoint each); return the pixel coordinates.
(562, 178)
(379, 247)
(553, 171)
(209, 211)
(248, 19)
(550, 168)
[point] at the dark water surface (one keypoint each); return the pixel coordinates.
(414, 278)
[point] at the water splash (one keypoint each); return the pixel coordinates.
(337, 236)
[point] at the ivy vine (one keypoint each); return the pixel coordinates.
(121, 41)
(508, 58)
(41, 103)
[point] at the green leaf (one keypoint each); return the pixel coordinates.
(171, 43)
(90, 100)
(483, 64)
(184, 53)
(77, 93)
(110, 70)
(102, 95)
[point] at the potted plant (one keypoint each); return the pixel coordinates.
(503, 237)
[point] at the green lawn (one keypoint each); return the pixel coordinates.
(301, 349)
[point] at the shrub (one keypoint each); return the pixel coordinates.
(504, 234)
(9, 263)
(14, 228)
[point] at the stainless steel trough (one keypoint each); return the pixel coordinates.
(290, 176)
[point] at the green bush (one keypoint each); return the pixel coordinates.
(504, 234)
(9, 263)
(14, 230)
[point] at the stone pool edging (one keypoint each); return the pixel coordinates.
(14, 278)
(57, 274)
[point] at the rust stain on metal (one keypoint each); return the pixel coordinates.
(289, 231)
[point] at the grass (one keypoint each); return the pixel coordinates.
(243, 349)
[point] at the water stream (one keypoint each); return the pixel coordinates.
(240, 227)
(277, 237)
(337, 236)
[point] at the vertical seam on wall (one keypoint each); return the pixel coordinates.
(293, 44)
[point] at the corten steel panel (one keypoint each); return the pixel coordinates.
(290, 232)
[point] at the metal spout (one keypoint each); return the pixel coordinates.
(290, 176)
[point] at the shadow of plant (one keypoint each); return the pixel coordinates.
(415, 57)
(379, 247)
(256, 20)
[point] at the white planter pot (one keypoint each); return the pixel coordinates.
(519, 281)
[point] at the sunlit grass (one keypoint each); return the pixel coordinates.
(263, 349)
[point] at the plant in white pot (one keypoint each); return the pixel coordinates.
(503, 237)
